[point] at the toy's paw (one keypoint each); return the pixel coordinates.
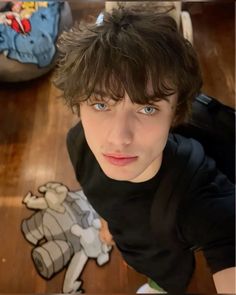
(29, 197)
(102, 258)
(34, 202)
(74, 287)
(106, 248)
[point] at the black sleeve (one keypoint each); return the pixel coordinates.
(207, 222)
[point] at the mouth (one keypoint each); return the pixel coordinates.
(120, 159)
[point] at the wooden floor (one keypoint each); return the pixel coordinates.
(33, 127)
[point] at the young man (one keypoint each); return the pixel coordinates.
(133, 77)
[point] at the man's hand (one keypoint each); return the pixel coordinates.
(104, 234)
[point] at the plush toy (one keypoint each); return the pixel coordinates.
(28, 34)
(64, 230)
(31, 39)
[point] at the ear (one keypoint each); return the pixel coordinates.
(180, 114)
(175, 116)
(175, 121)
(178, 120)
(76, 110)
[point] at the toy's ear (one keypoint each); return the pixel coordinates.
(97, 223)
(42, 189)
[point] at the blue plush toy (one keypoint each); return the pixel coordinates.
(28, 35)
(30, 40)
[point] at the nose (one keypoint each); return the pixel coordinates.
(121, 131)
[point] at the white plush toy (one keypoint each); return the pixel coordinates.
(65, 230)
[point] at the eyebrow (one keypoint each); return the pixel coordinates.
(104, 94)
(160, 100)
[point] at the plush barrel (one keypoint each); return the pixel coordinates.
(51, 257)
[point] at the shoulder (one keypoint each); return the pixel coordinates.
(183, 147)
(206, 207)
(208, 191)
(185, 167)
(187, 159)
(206, 217)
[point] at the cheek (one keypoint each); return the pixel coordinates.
(87, 119)
(92, 134)
(158, 127)
(90, 127)
(155, 134)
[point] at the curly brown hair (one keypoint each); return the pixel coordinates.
(121, 54)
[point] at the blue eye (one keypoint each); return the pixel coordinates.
(149, 110)
(99, 106)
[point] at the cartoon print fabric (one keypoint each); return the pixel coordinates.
(28, 31)
(64, 231)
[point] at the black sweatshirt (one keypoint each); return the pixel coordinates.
(158, 223)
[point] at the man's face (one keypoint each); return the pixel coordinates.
(127, 139)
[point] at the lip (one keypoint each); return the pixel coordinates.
(120, 160)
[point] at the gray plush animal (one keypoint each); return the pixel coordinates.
(65, 230)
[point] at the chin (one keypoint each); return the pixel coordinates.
(120, 174)
(117, 176)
